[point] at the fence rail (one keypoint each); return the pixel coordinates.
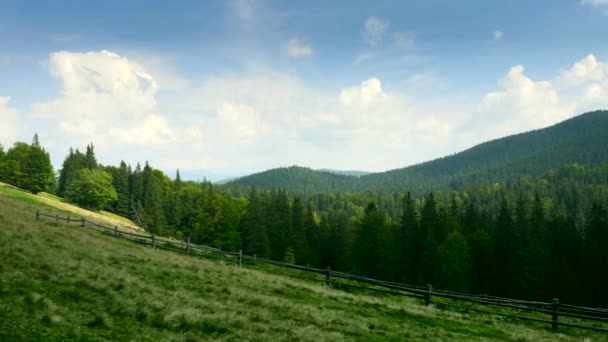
(555, 309)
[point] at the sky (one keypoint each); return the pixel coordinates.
(226, 88)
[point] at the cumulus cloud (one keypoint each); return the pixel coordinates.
(587, 82)
(368, 92)
(242, 121)
(108, 99)
(520, 104)
(9, 121)
(297, 48)
(95, 85)
(264, 118)
(154, 130)
(374, 30)
(497, 35)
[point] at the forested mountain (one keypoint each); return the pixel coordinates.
(346, 172)
(296, 179)
(528, 219)
(582, 139)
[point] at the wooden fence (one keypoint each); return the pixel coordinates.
(553, 310)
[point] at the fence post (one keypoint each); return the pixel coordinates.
(57, 218)
(153, 241)
(427, 295)
(37, 215)
(554, 314)
(328, 275)
(116, 231)
(240, 257)
(254, 256)
(83, 226)
(188, 245)
(68, 219)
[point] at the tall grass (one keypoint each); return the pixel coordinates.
(61, 283)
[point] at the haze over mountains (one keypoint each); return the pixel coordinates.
(582, 139)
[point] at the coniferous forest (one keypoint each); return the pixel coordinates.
(536, 231)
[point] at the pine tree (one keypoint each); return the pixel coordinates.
(28, 166)
(596, 256)
(373, 242)
(453, 263)
(536, 252)
(152, 200)
(314, 240)
(502, 236)
(74, 162)
(38, 168)
(299, 242)
(253, 227)
(121, 184)
(136, 187)
(279, 225)
(429, 224)
(409, 240)
(90, 159)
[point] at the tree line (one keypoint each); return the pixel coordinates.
(530, 238)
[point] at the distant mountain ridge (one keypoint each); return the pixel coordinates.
(354, 173)
(582, 139)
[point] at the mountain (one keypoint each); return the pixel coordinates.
(296, 179)
(581, 139)
(346, 172)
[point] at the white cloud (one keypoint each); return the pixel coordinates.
(9, 122)
(587, 82)
(498, 35)
(264, 118)
(297, 48)
(154, 130)
(368, 92)
(373, 30)
(242, 121)
(521, 104)
(403, 39)
(111, 100)
(97, 86)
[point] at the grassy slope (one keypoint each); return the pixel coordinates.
(59, 282)
(50, 202)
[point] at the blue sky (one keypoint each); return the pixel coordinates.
(225, 88)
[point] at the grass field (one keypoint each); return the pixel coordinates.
(52, 202)
(59, 282)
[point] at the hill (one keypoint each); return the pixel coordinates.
(582, 139)
(295, 178)
(346, 172)
(63, 283)
(46, 200)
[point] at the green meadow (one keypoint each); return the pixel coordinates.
(59, 282)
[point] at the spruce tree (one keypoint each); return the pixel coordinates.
(429, 224)
(596, 256)
(502, 236)
(253, 226)
(121, 184)
(90, 159)
(300, 247)
(409, 240)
